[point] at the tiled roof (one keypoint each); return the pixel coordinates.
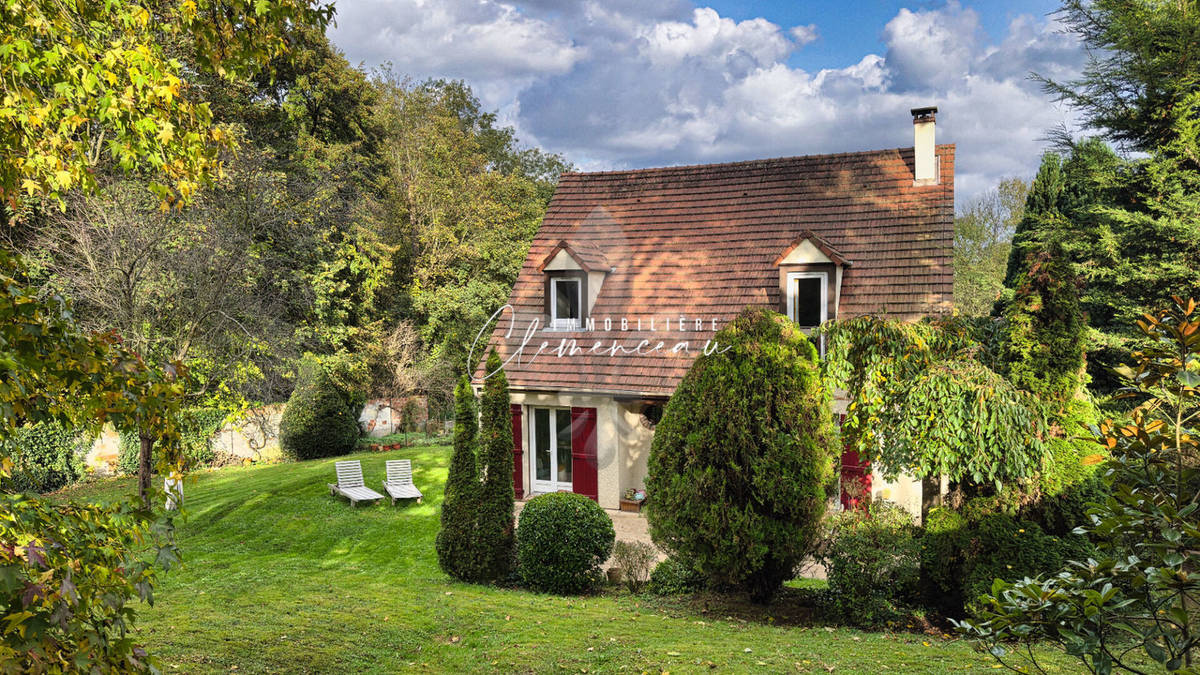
(703, 241)
(586, 253)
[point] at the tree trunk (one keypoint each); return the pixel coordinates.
(145, 468)
(931, 494)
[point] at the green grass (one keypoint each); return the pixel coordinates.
(281, 577)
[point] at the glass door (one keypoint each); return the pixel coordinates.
(551, 456)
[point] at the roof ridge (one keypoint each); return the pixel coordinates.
(742, 162)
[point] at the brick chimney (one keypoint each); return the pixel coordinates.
(925, 169)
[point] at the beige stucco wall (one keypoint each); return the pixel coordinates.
(904, 492)
(623, 448)
(635, 447)
(562, 261)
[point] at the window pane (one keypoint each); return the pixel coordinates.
(541, 439)
(566, 302)
(563, 418)
(808, 301)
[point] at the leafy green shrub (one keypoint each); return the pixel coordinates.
(962, 555)
(46, 457)
(873, 563)
(672, 577)
(320, 419)
(1004, 547)
(741, 459)
(197, 426)
(941, 558)
(1140, 584)
(634, 560)
(562, 540)
(455, 539)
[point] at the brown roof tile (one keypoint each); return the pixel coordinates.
(702, 242)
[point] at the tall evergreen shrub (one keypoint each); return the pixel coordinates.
(741, 459)
(1045, 329)
(494, 514)
(455, 539)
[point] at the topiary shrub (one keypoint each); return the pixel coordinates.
(672, 577)
(873, 563)
(46, 457)
(741, 458)
(319, 419)
(562, 540)
(455, 539)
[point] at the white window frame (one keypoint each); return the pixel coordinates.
(552, 485)
(565, 323)
(791, 302)
(791, 295)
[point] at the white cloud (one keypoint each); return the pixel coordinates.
(805, 34)
(931, 49)
(493, 45)
(623, 83)
(714, 39)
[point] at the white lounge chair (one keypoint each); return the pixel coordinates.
(350, 484)
(399, 483)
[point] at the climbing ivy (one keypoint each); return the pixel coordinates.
(923, 402)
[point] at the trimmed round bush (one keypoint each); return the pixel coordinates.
(742, 456)
(562, 540)
(320, 420)
(671, 577)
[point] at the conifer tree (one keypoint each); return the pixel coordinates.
(1041, 207)
(494, 515)
(1042, 348)
(455, 539)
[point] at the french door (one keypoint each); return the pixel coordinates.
(551, 449)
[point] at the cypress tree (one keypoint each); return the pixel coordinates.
(1041, 209)
(494, 515)
(455, 539)
(1042, 348)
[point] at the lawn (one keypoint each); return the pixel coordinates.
(281, 577)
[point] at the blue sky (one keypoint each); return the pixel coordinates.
(635, 83)
(856, 28)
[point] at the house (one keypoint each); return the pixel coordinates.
(632, 273)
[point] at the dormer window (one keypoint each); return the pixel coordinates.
(808, 298)
(574, 273)
(566, 303)
(810, 282)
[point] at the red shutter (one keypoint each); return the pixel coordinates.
(518, 467)
(855, 479)
(583, 453)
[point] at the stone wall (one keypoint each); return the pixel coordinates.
(255, 434)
